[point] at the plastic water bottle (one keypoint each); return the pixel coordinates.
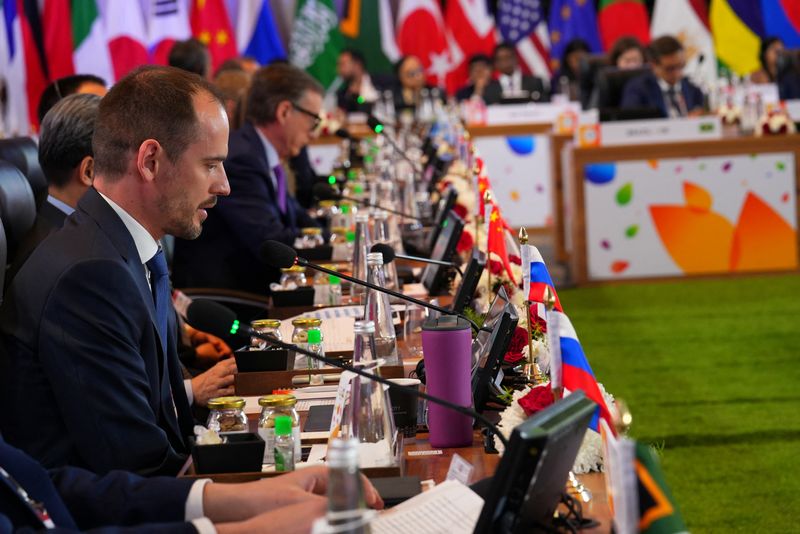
(284, 444)
(345, 493)
(315, 346)
(334, 290)
(378, 309)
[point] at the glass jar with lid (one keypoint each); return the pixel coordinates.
(300, 338)
(293, 277)
(310, 238)
(227, 415)
(273, 406)
(270, 327)
(327, 209)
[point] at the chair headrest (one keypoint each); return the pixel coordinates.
(23, 153)
(17, 206)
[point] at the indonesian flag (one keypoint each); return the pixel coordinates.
(127, 37)
(212, 26)
(167, 22)
(469, 28)
(496, 240)
(688, 21)
(420, 32)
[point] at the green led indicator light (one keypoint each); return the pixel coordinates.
(331, 179)
(445, 223)
(378, 128)
(360, 99)
(235, 326)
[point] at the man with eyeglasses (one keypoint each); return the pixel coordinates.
(283, 114)
(665, 89)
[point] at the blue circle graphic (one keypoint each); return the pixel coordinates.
(522, 144)
(600, 173)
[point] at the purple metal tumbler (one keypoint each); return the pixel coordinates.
(446, 348)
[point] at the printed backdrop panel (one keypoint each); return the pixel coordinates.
(520, 169)
(684, 216)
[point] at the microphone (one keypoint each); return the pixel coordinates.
(277, 254)
(209, 316)
(378, 128)
(323, 191)
(389, 255)
(344, 134)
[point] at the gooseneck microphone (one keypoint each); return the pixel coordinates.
(209, 316)
(323, 191)
(378, 127)
(282, 256)
(389, 255)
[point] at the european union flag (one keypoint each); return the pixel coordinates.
(572, 19)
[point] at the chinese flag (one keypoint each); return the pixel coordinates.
(211, 25)
(496, 241)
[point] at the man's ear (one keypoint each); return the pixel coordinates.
(148, 159)
(282, 112)
(86, 171)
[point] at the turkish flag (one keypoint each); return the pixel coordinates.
(420, 32)
(58, 45)
(211, 25)
(469, 28)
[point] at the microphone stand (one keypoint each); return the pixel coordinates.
(377, 378)
(369, 205)
(430, 260)
(305, 263)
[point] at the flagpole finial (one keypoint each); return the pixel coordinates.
(523, 236)
(549, 298)
(487, 197)
(623, 419)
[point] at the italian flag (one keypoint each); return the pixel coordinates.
(90, 55)
(620, 18)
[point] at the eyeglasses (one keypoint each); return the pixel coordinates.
(315, 116)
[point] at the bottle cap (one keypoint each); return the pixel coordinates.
(375, 258)
(364, 327)
(350, 236)
(345, 208)
(283, 425)
(277, 400)
(314, 336)
(334, 280)
(358, 189)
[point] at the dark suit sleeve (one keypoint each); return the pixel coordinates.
(250, 210)
(123, 500)
(98, 376)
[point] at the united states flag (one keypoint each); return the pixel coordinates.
(522, 23)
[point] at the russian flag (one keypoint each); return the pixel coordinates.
(536, 277)
(256, 33)
(577, 374)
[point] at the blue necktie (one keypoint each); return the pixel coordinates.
(159, 281)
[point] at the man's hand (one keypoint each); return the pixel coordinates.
(315, 480)
(294, 519)
(216, 382)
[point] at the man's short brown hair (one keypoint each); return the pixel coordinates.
(149, 103)
(664, 46)
(272, 85)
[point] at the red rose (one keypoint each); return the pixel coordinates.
(465, 243)
(496, 268)
(516, 260)
(537, 399)
(519, 340)
(460, 210)
(537, 322)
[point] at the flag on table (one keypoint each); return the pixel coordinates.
(496, 240)
(688, 21)
(536, 278)
(620, 18)
(658, 512)
(316, 42)
(58, 38)
(469, 28)
(367, 27)
(127, 37)
(576, 373)
(571, 19)
(256, 33)
(782, 19)
(737, 27)
(167, 22)
(522, 23)
(212, 26)
(420, 32)
(89, 38)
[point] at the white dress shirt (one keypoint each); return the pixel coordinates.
(673, 113)
(62, 206)
(511, 84)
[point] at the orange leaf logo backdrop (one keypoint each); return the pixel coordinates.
(692, 216)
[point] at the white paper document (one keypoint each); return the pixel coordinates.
(449, 508)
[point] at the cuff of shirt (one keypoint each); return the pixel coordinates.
(194, 502)
(187, 385)
(204, 526)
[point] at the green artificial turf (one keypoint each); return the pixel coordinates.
(710, 370)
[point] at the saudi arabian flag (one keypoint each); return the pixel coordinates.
(316, 41)
(658, 513)
(367, 27)
(91, 55)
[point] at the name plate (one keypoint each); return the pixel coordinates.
(793, 109)
(660, 131)
(527, 113)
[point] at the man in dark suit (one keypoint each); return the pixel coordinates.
(513, 83)
(283, 113)
(70, 498)
(665, 89)
(91, 367)
(480, 81)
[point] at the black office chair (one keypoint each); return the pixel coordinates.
(611, 83)
(17, 206)
(3, 260)
(23, 153)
